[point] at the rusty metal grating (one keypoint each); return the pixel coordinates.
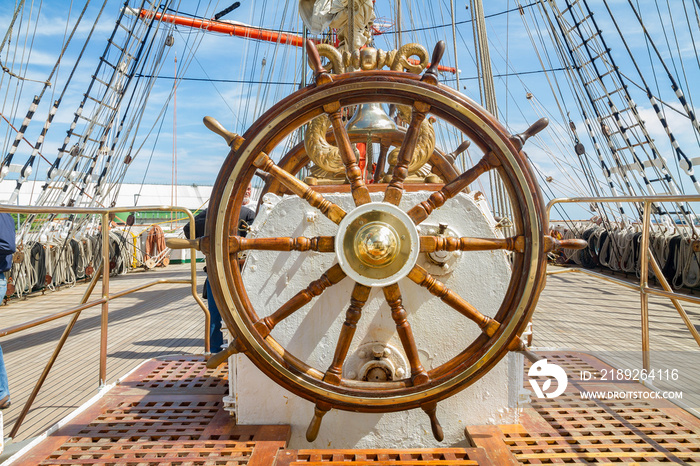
(127, 451)
(185, 373)
(443, 456)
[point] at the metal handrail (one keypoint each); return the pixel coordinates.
(647, 259)
(104, 300)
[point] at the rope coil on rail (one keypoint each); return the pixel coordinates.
(618, 248)
(54, 262)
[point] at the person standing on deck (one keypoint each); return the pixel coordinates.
(7, 248)
(245, 219)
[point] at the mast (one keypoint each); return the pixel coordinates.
(454, 43)
(481, 44)
(350, 39)
(173, 187)
(499, 198)
(398, 24)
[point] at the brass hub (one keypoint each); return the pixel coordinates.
(376, 244)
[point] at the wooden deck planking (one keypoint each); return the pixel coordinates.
(583, 313)
(163, 319)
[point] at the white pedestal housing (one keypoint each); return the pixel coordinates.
(311, 334)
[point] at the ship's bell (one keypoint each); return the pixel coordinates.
(370, 118)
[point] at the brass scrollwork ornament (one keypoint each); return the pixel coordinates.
(327, 165)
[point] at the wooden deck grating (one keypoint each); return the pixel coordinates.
(385, 457)
(572, 429)
(169, 411)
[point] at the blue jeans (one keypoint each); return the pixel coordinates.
(4, 384)
(216, 338)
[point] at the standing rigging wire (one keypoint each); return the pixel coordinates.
(114, 182)
(143, 94)
(19, 84)
(18, 8)
(54, 170)
(658, 162)
(26, 169)
(286, 16)
(251, 69)
(211, 81)
(583, 157)
(475, 62)
(119, 81)
(678, 48)
(690, 30)
(115, 140)
(158, 62)
(27, 225)
(186, 60)
(674, 85)
(4, 166)
(592, 99)
(555, 160)
(683, 160)
(596, 33)
(261, 106)
(82, 189)
(571, 80)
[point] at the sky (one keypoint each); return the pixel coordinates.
(222, 75)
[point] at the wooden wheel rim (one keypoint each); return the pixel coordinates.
(528, 269)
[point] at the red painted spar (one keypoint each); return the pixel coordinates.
(239, 30)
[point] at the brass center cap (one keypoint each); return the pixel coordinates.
(376, 244)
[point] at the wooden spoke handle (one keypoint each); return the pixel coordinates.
(394, 191)
(514, 243)
(520, 139)
(320, 73)
(431, 73)
(200, 244)
(392, 293)
(438, 243)
(318, 244)
(182, 243)
(360, 193)
(438, 198)
(219, 358)
(357, 301)
(421, 276)
(431, 411)
(458, 151)
(232, 139)
(555, 245)
(331, 277)
(298, 187)
(315, 424)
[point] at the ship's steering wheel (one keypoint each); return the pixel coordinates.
(377, 237)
